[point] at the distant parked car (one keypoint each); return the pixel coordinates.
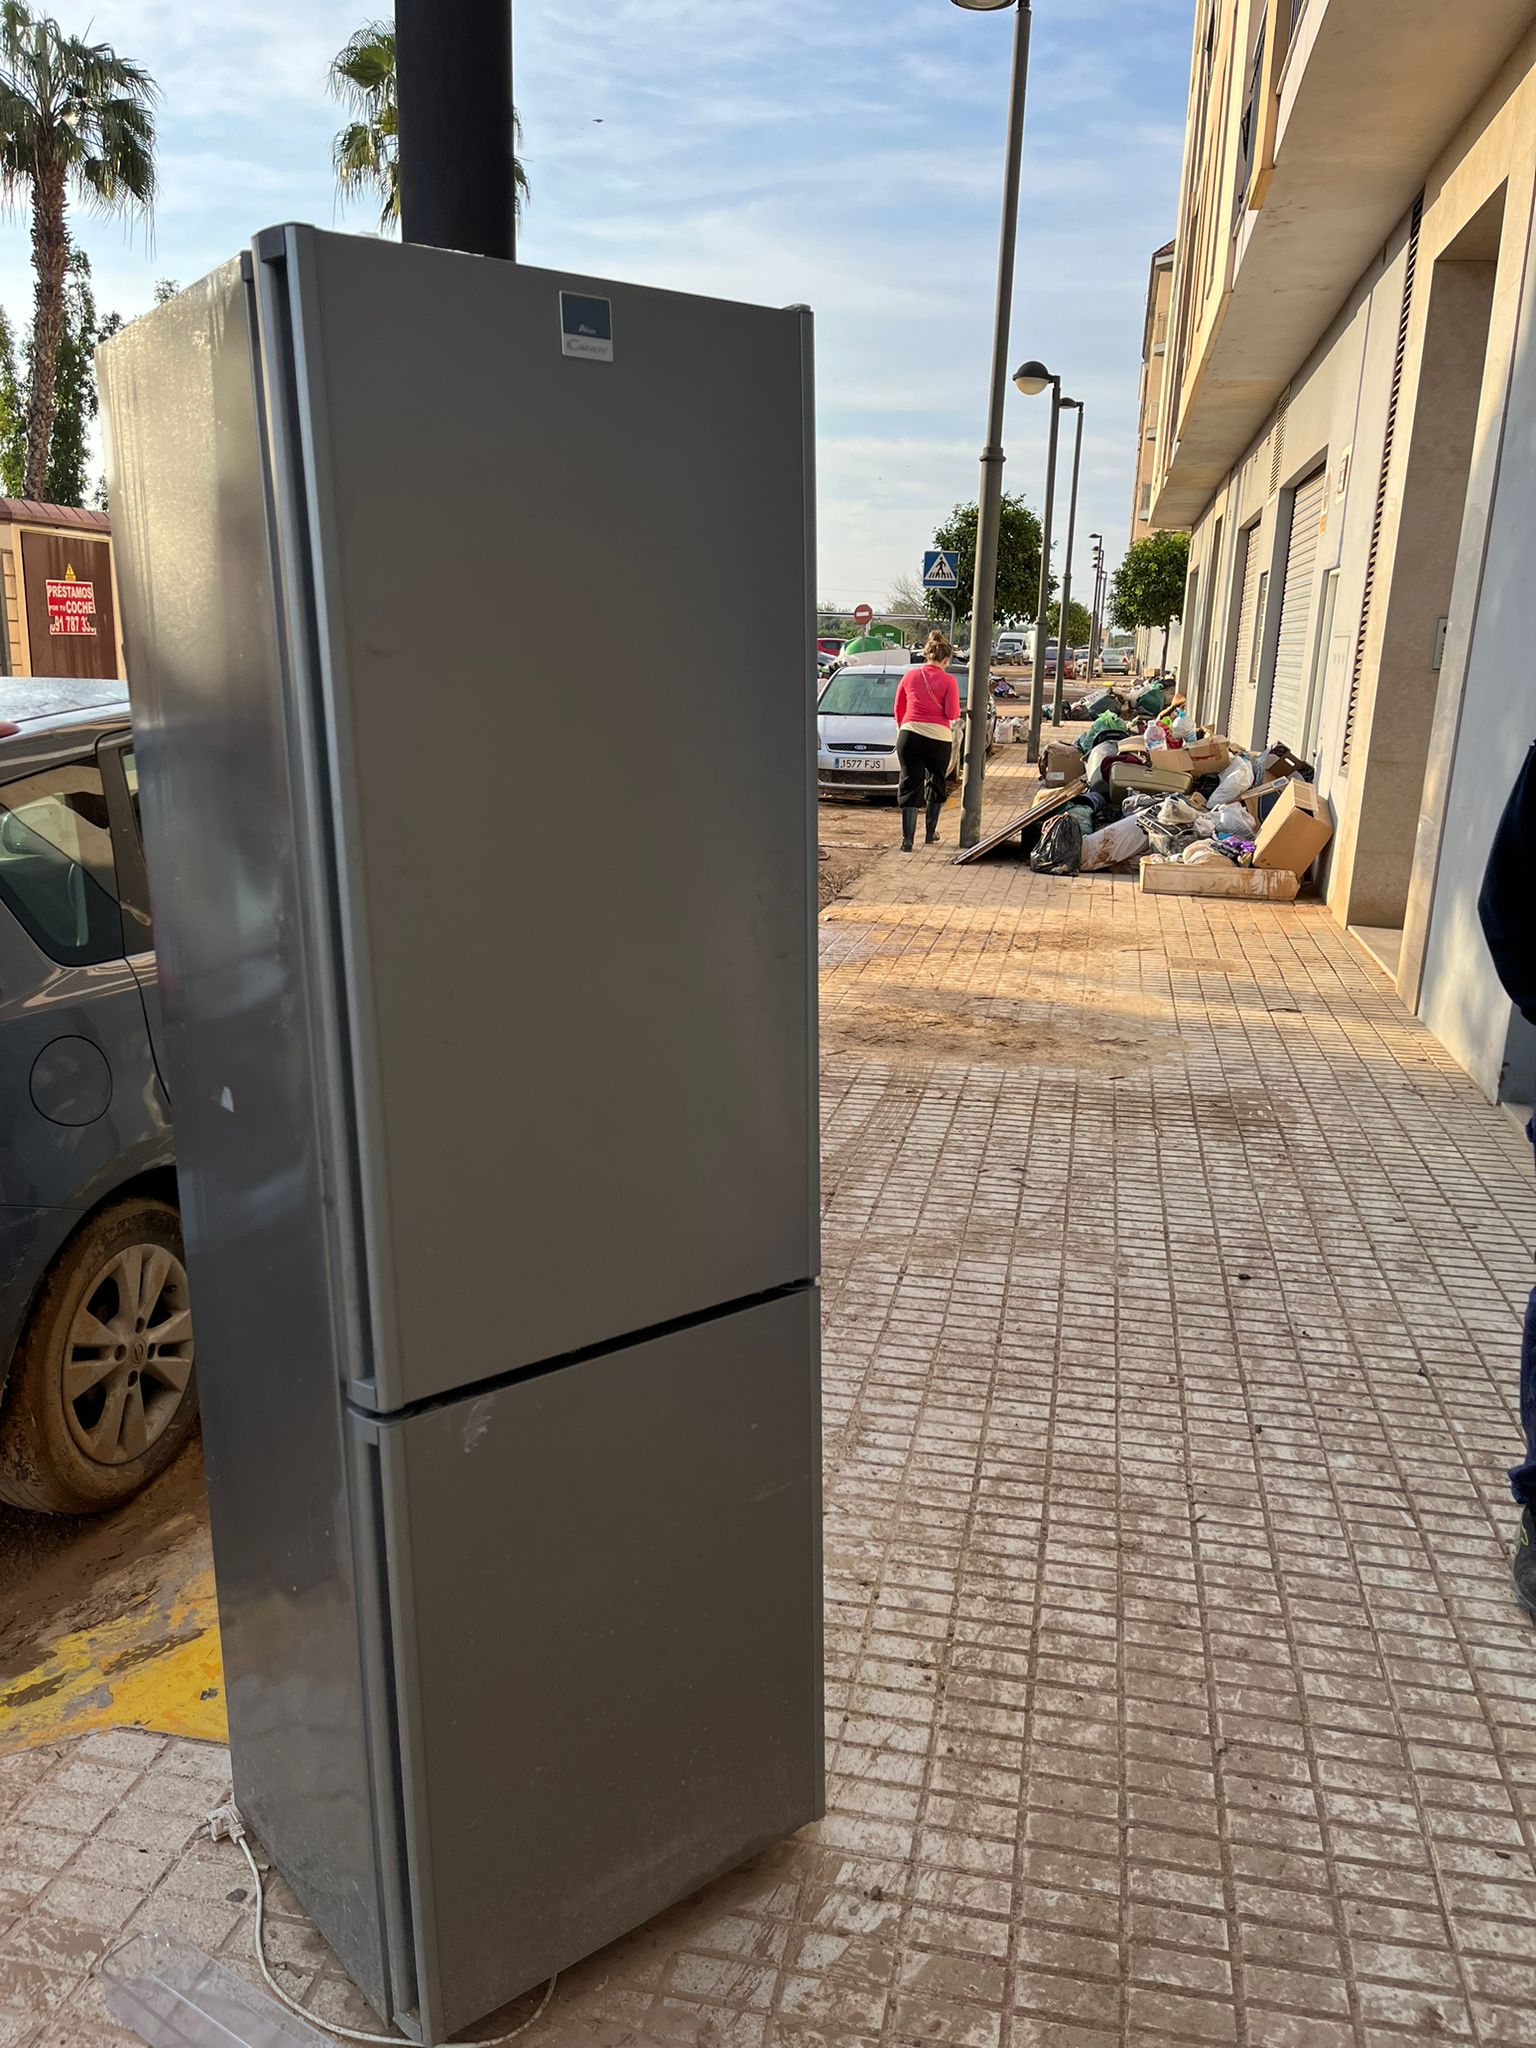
(830, 645)
(96, 1352)
(856, 729)
(1115, 661)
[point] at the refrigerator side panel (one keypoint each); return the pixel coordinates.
(224, 809)
(606, 1597)
(564, 668)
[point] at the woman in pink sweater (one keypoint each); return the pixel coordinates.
(927, 705)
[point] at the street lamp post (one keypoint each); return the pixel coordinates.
(990, 501)
(1032, 378)
(1095, 630)
(1064, 630)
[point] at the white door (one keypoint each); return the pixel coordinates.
(1250, 603)
(1285, 697)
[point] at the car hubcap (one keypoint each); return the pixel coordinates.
(128, 1355)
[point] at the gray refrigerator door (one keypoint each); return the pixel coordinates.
(605, 1609)
(559, 653)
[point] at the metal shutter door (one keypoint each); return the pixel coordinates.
(1241, 694)
(1296, 611)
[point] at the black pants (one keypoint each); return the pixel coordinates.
(924, 768)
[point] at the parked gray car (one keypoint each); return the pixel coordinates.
(96, 1354)
(856, 729)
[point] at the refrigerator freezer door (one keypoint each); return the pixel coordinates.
(560, 654)
(605, 1595)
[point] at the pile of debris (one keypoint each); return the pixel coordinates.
(1202, 816)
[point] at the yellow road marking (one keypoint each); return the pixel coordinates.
(158, 1667)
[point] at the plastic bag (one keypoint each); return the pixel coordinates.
(1237, 777)
(1116, 843)
(1204, 853)
(174, 1996)
(1109, 725)
(1232, 819)
(1059, 849)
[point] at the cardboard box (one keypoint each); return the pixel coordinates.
(1295, 832)
(1060, 762)
(1172, 780)
(1260, 800)
(1259, 885)
(1208, 757)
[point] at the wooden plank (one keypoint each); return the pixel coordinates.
(1207, 878)
(1045, 805)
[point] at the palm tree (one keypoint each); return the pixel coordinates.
(74, 117)
(366, 153)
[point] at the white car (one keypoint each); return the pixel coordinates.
(1115, 661)
(856, 729)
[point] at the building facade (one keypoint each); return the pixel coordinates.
(1154, 354)
(1348, 428)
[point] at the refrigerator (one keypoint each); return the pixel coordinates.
(468, 612)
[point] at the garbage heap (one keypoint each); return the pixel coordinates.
(1202, 817)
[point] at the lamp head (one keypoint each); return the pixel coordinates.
(1031, 377)
(1071, 405)
(984, 6)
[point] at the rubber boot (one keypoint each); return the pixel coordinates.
(908, 826)
(931, 836)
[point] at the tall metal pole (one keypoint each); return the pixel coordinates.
(1037, 665)
(990, 501)
(1093, 613)
(454, 72)
(1064, 630)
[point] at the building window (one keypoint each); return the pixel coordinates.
(1145, 509)
(1298, 9)
(1248, 132)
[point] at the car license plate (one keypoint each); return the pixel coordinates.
(857, 762)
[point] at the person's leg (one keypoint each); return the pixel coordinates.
(909, 793)
(938, 787)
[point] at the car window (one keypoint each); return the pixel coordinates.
(860, 693)
(56, 870)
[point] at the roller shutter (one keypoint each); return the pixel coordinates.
(1285, 697)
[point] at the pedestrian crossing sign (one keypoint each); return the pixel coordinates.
(941, 570)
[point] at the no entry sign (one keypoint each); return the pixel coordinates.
(863, 615)
(71, 606)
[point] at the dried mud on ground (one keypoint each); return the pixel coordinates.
(933, 1024)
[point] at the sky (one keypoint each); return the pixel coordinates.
(844, 154)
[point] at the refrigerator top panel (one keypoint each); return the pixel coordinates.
(547, 548)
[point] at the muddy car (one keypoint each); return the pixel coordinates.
(96, 1351)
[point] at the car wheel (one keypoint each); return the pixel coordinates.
(101, 1394)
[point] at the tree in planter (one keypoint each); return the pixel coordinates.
(1018, 564)
(1079, 623)
(1148, 587)
(74, 117)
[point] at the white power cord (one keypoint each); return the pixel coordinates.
(225, 1824)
